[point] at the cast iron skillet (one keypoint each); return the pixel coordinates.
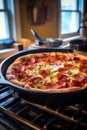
(44, 98)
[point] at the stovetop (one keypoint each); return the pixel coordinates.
(19, 114)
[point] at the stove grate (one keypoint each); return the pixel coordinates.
(17, 113)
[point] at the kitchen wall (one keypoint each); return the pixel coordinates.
(49, 28)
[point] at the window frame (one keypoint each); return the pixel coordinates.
(80, 4)
(11, 7)
(6, 13)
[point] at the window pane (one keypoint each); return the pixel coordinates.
(70, 22)
(68, 4)
(1, 4)
(3, 26)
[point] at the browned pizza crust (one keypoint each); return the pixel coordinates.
(54, 90)
(27, 84)
(15, 81)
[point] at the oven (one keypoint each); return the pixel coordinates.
(17, 113)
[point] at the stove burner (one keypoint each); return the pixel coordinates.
(17, 113)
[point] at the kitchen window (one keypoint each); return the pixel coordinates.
(4, 23)
(9, 19)
(71, 11)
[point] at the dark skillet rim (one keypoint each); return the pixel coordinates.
(22, 53)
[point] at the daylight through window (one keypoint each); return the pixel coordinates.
(70, 16)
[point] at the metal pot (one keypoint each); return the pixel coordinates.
(48, 42)
(79, 44)
(52, 42)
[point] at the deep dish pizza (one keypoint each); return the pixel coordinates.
(49, 71)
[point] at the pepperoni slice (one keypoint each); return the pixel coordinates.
(36, 80)
(31, 67)
(63, 69)
(63, 77)
(17, 69)
(50, 85)
(44, 73)
(84, 62)
(79, 77)
(59, 84)
(68, 65)
(76, 83)
(61, 57)
(77, 59)
(83, 68)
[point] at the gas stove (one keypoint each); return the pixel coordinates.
(19, 114)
